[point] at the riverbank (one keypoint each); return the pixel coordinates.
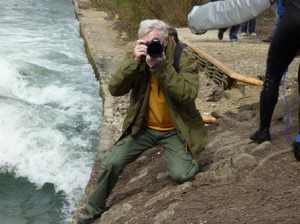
(104, 49)
(237, 179)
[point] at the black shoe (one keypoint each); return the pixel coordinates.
(85, 217)
(296, 150)
(220, 35)
(261, 135)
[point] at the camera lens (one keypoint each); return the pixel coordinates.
(155, 48)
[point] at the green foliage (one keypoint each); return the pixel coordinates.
(174, 12)
(131, 12)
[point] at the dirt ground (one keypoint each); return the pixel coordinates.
(267, 192)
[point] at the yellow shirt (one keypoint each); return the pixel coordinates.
(157, 114)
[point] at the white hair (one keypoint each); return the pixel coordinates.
(149, 25)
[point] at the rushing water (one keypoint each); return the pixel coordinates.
(50, 112)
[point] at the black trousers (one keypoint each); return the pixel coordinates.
(283, 48)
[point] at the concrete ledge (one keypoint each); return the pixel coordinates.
(93, 33)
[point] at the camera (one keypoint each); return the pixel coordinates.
(155, 48)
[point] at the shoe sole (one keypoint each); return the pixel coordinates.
(260, 141)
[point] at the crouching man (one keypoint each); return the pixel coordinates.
(162, 112)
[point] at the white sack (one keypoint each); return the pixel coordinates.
(221, 14)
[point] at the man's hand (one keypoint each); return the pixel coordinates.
(152, 62)
(139, 51)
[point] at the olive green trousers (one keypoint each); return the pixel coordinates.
(181, 165)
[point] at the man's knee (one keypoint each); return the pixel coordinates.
(113, 164)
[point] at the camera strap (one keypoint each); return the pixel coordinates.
(177, 54)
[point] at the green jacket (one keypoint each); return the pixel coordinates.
(180, 90)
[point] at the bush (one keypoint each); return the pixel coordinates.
(131, 12)
(174, 12)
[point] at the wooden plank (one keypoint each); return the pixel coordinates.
(228, 71)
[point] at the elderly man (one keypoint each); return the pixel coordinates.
(161, 112)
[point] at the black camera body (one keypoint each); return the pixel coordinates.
(155, 48)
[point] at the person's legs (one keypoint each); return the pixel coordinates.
(252, 24)
(233, 33)
(124, 152)
(277, 22)
(244, 27)
(181, 165)
(221, 33)
(299, 95)
(281, 53)
(296, 143)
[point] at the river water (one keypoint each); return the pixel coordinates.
(50, 112)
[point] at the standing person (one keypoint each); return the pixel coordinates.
(161, 112)
(283, 48)
(232, 33)
(249, 26)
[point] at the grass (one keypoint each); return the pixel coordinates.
(174, 12)
(131, 12)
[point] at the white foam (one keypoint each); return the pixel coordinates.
(43, 143)
(50, 108)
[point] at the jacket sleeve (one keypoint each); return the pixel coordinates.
(182, 86)
(123, 80)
